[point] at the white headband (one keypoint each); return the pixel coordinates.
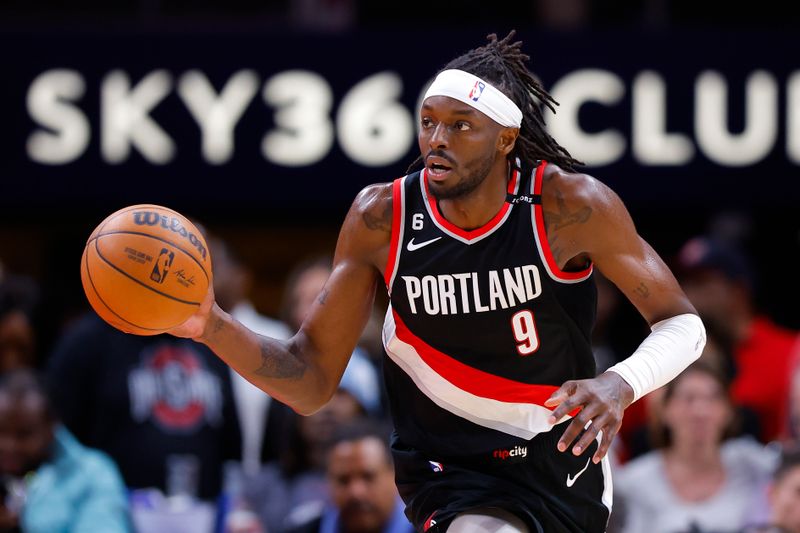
(477, 93)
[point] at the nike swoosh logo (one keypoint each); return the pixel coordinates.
(416, 246)
(571, 480)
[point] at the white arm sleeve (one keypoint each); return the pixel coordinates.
(673, 344)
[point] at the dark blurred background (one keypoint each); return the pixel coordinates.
(262, 120)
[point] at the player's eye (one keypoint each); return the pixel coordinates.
(426, 122)
(463, 126)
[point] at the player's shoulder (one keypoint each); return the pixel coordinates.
(375, 195)
(373, 206)
(569, 189)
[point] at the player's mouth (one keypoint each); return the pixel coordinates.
(438, 168)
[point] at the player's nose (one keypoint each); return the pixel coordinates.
(438, 138)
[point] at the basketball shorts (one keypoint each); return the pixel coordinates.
(550, 491)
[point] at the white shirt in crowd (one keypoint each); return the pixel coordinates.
(651, 505)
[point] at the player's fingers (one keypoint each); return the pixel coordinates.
(607, 438)
(562, 393)
(596, 425)
(563, 400)
(575, 427)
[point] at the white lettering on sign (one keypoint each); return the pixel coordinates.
(373, 128)
(125, 117)
(217, 114)
(49, 104)
(571, 92)
(761, 117)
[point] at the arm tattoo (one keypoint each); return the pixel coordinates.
(642, 290)
(218, 325)
(381, 221)
(564, 217)
(276, 362)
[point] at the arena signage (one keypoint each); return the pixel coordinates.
(252, 120)
(374, 129)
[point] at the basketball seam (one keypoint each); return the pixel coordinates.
(125, 232)
(115, 267)
(97, 293)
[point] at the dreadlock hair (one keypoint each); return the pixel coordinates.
(502, 63)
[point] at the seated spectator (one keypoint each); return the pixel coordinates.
(256, 410)
(360, 477)
(294, 487)
(17, 340)
(51, 482)
(160, 406)
(719, 281)
(695, 481)
(716, 357)
(784, 494)
(791, 433)
(303, 288)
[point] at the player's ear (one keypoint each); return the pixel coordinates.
(507, 139)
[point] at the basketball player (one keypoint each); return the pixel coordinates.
(487, 254)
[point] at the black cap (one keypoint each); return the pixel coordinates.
(711, 254)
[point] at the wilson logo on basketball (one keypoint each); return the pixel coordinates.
(161, 268)
(151, 218)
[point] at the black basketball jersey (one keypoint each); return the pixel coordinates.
(483, 326)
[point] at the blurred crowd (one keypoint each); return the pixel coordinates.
(114, 432)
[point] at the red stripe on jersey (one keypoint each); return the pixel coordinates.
(429, 523)
(548, 254)
(397, 220)
(477, 232)
(471, 379)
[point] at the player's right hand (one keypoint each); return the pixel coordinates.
(195, 326)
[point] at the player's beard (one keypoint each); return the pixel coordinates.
(474, 175)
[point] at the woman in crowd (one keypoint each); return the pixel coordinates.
(696, 480)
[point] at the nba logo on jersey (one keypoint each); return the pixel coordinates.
(477, 91)
(436, 467)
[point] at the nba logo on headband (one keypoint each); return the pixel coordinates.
(482, 96)
(477, 91)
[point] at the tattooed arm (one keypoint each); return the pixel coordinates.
(305, 370)
(586, 222)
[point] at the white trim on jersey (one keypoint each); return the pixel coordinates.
(400, 233)
(465, 240)
(524, 420)
(608, 484)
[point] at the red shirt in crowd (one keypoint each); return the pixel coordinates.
(763, 373)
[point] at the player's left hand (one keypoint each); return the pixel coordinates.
(601, 401)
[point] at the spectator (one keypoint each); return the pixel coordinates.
(718, 280)
(784, 494)
(302, 289)
(792, 431)
(695, 480)
(257, 415)
(17, 340)
(360, 477)
(50, 481)
(292, 488)
(156, 405)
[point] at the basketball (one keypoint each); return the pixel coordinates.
(145, 269)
